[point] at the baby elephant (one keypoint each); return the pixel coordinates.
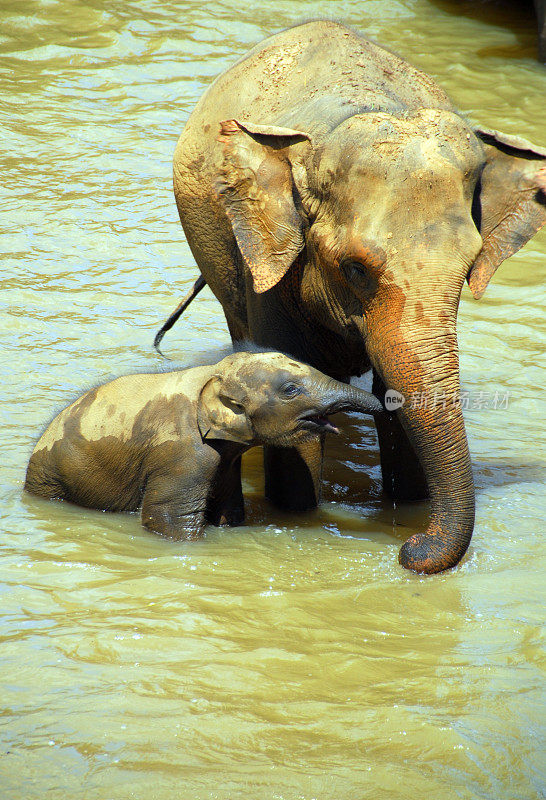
(173, 441)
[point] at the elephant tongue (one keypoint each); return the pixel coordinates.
(318, 423)
(325, 423)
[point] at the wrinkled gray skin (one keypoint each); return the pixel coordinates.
(173, 442)
(335, 202)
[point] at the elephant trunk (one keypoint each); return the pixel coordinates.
(344, 397)
(425, 370)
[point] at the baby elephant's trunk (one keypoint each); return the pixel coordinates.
(343, 397)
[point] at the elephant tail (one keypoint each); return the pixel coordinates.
(179, 310)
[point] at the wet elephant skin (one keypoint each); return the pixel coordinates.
(173, 442)
(335, 202)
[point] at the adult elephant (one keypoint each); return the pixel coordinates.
(335, 202)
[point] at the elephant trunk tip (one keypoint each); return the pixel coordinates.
(351, 399)
(427, 553)
(377, 407)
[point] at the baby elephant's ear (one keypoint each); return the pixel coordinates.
(221, 416)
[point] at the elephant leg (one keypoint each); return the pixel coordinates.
(225, 505)
(237, 328)
(403, 476)
(293, 475)
(172, 509)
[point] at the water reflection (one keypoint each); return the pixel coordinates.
(519, 19)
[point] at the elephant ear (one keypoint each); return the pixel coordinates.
(257, 190)
(513, 201)
(221, 413)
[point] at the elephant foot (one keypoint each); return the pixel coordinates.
(428, 553)
(230, 517)
(229, 513)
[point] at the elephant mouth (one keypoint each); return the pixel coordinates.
(317, 423)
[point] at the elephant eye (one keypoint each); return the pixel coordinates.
(364, 278)
(291, 389)
(354, 269)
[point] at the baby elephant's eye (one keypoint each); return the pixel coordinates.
(291, 389)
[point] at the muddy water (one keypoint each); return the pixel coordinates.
(291, 658)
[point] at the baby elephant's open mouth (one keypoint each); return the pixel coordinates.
(317, 424)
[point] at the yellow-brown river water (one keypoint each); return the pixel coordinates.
(293, 658)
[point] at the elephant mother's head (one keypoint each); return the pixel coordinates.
(389, 215)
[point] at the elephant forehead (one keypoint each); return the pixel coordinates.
(428, 122)
(379, 144)
(278, 361)
(258, 367)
